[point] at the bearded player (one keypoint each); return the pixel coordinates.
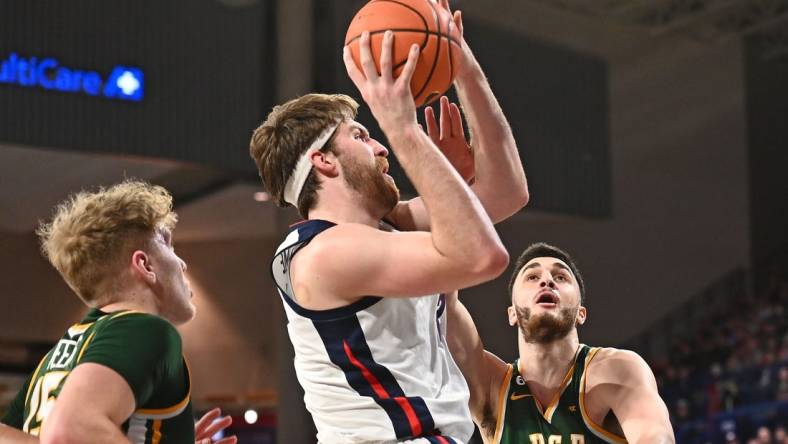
(118, 375)
(361, 278)
(559, 390)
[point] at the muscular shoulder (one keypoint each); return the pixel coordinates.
(141, 327)
(134, 335)
(320, 268)
(616, 367)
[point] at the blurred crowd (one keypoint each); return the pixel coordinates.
(727, 379)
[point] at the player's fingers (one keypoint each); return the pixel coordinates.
(353, 72)
(456, 121)
(445, 118)
(385, 55)
(432, 124)
(445, 4)
(458, 20)
(217, 425)
(206, 420)
(367, 62)
(410, 65)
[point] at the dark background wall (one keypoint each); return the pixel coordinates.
(207, 71)
(556, 103)
(767, 137)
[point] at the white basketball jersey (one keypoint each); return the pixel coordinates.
(375, 371)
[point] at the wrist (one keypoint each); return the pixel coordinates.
(396, 132)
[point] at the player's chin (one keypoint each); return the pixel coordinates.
(186, 313)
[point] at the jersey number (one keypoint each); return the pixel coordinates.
(42, 401)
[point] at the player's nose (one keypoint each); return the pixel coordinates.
(381, 150)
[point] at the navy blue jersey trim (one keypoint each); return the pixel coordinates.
(307, 230)
(436, 440)
(344, 340)
(331, 313)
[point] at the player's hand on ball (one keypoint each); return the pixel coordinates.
(209, 425)
(467, 55)
(450, 137)
(389, 99)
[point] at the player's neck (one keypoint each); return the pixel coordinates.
(344, 206)
(131, 300)
(548, 362)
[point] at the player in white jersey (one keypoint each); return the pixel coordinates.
(363, 300)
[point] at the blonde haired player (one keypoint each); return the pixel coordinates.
(118, 375)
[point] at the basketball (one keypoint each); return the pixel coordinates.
(422, 22)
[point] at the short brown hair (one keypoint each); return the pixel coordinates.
(91, 232)
(287, 133)
(541, 249)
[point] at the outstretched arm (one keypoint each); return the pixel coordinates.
(622, 381)
(483, 371)
(451, 255)
(497, 173)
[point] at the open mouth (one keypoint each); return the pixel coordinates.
(547, 299)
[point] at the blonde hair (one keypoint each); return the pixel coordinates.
(91, 233)
(287, 133)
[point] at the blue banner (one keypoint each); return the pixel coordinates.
(122, 83)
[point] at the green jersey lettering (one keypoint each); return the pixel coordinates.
(144, 349)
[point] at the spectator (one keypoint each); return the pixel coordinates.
(764, 435)
(780, 435)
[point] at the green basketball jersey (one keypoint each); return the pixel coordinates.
(144, 349)
(522, 420)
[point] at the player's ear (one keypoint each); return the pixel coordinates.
(141, 266)
(581, 316)
(325, 162)
(512, 314)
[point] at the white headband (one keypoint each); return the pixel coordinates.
(304, 165)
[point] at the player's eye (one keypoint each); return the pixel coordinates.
(532, 277)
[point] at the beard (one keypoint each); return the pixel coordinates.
(546, 328)
(372, 184)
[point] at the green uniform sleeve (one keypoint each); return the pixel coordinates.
(142, 348)
(15, 416)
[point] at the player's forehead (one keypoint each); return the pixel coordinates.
(348, 126)
(546, 262)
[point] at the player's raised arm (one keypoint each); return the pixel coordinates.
(624, 381)
(499, 176)
(483, 371)
(497, 173)
(462, 249)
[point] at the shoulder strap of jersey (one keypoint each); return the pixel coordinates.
(507, 383)
(595, 428)
(299, 236)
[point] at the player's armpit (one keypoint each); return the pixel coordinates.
(94, 402)
(10, 435)
(483, 370)
(623, 381)
(348, 261)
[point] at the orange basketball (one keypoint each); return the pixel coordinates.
(423, 22)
